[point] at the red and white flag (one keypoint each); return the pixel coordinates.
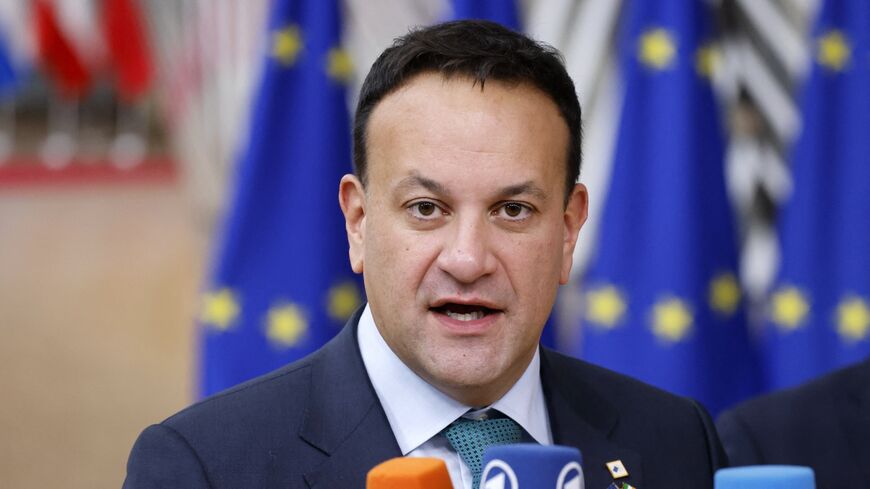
(57, 54)
(128, 50)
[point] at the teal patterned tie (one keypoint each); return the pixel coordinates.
(471, 437)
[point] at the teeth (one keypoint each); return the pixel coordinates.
(471, 316)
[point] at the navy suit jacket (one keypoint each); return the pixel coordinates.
(317, 423)
(824, 424)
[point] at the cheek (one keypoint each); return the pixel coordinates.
(398, 257)
(536, 257)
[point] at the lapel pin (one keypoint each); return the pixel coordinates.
(624, 485)
(617, 470)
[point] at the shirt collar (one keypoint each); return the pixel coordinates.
(417, 411)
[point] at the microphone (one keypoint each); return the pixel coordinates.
(409, 473)
(532, 466)
(765, 477)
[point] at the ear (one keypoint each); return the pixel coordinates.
(352, 199)
(575, 216)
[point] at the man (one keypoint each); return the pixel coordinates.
(823, 424)
(462, 217)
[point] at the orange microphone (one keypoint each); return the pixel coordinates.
(409, 473)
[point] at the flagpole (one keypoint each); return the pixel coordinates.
(59, 147)
(129, 146)
(7, 129)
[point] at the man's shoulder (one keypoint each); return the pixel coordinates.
(282, 389)
(776, 409)
(617, 388)
(262, 433)
(669, 432)
(630, 410)
(278, 396)
(820, 424)
(246, 426)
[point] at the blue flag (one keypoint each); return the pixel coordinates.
(502, 11)
(7, 70)
(819, 316)
(662, 302)
(282, 284)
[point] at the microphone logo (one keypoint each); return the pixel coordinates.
(571, 477)
(498, 475)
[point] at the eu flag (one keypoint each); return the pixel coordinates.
(662, 302)
(819, 310)
(282, 284)
(502, 11)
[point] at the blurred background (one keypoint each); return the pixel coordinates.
(169, 224)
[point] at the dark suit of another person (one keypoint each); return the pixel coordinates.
(824, 424)
(317, 423)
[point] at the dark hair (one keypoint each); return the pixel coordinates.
(480, 50)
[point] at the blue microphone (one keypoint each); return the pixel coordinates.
(531, 466)
(766, 477)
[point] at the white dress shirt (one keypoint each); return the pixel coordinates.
(418, 412)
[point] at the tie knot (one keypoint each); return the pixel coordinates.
(471, 437)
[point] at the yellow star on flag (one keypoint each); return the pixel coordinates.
(343, 299)
(286, 45)
(853, 319)
(707, 60)
(724, 293)
(219, 309)
(833, 51)
(339, 65)
(789, 308)
(657, 49)
(286, 325)
(671, 320)
(605, 307)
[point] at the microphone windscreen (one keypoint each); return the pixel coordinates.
(409, 473)
(528, 465)
(766, 477)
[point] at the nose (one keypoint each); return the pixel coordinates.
(467, 255)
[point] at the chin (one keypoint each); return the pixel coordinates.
(464, 374)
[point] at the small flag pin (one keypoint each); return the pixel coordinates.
(617, 470)
(624, 485)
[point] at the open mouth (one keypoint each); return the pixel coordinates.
(463, 312)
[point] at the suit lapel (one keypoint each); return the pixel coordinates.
(581, 418)
(344, 418)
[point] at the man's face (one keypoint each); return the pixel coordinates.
(461, 232)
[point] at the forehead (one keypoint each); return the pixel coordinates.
(433, 123)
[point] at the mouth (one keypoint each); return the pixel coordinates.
(464, 312)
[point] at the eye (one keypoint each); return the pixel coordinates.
(513, 211)
(424, 209)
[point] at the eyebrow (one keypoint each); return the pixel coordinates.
(528, 188)
(416, 180)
